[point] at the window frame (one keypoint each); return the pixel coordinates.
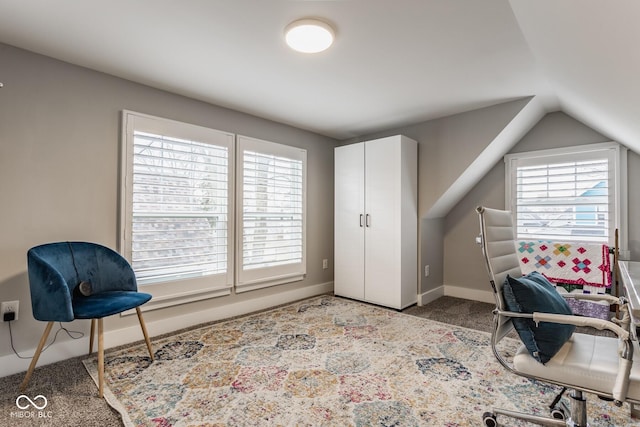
(247, 280)
(174, 291)
(618, 160)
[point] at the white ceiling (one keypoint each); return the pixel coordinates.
(395, 62)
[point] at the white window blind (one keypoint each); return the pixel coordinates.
(178, 211)
(271, 198)
(565, 195)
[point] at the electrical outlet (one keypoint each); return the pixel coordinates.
(426, 270)
(9, 307)
(325, 264)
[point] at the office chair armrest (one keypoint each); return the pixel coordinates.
(593, 297)
(625, 351)
(50, 296)
(571, 320)
(622, 303)
(582, 321)
(621, 386)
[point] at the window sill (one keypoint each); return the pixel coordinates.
(178, 299)
(265, 283)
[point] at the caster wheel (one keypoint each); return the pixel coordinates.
(558, 414)
(489, 419)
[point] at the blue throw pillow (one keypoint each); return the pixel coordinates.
(531, 293)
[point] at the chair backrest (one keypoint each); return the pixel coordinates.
(499, 250)
(55, 269)
(85, 261)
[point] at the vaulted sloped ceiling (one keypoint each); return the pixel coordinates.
(525, 118)
(588, 51)
(394, 62)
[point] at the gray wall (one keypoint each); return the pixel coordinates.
(59, 142)
(463, 263)
(59, 152)
(446, 147)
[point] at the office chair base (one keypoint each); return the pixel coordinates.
(490, 418)
(577, 418)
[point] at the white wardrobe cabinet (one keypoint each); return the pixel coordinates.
(376, 222)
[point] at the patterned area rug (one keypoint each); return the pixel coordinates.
(324, 362)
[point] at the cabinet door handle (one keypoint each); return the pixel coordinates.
(367, 220)
(361, 217)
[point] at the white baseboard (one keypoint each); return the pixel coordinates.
(457, 292)
(430, 296)
(10, 364)
(470, 294)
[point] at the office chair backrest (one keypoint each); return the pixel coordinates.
(499, 248)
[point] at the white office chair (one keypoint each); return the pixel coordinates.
(600, 365)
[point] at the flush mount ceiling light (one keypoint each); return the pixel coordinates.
(309, 35)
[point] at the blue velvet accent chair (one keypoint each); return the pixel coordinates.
(81, 280)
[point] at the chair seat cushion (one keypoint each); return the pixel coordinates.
(586, 361)
(534, 293)
(105, 304)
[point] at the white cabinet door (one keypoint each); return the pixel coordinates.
(375, 221)
(349, 221)
(382, 209)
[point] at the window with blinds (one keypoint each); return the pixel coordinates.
(271, 199)
(203, 211)
(565, 195)
(180, 208)
(177, 216)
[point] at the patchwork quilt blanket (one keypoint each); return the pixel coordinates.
(571, 263)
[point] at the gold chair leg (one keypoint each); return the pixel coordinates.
(100, 359)
(92, 336)
(36, 356)
(144, 332)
